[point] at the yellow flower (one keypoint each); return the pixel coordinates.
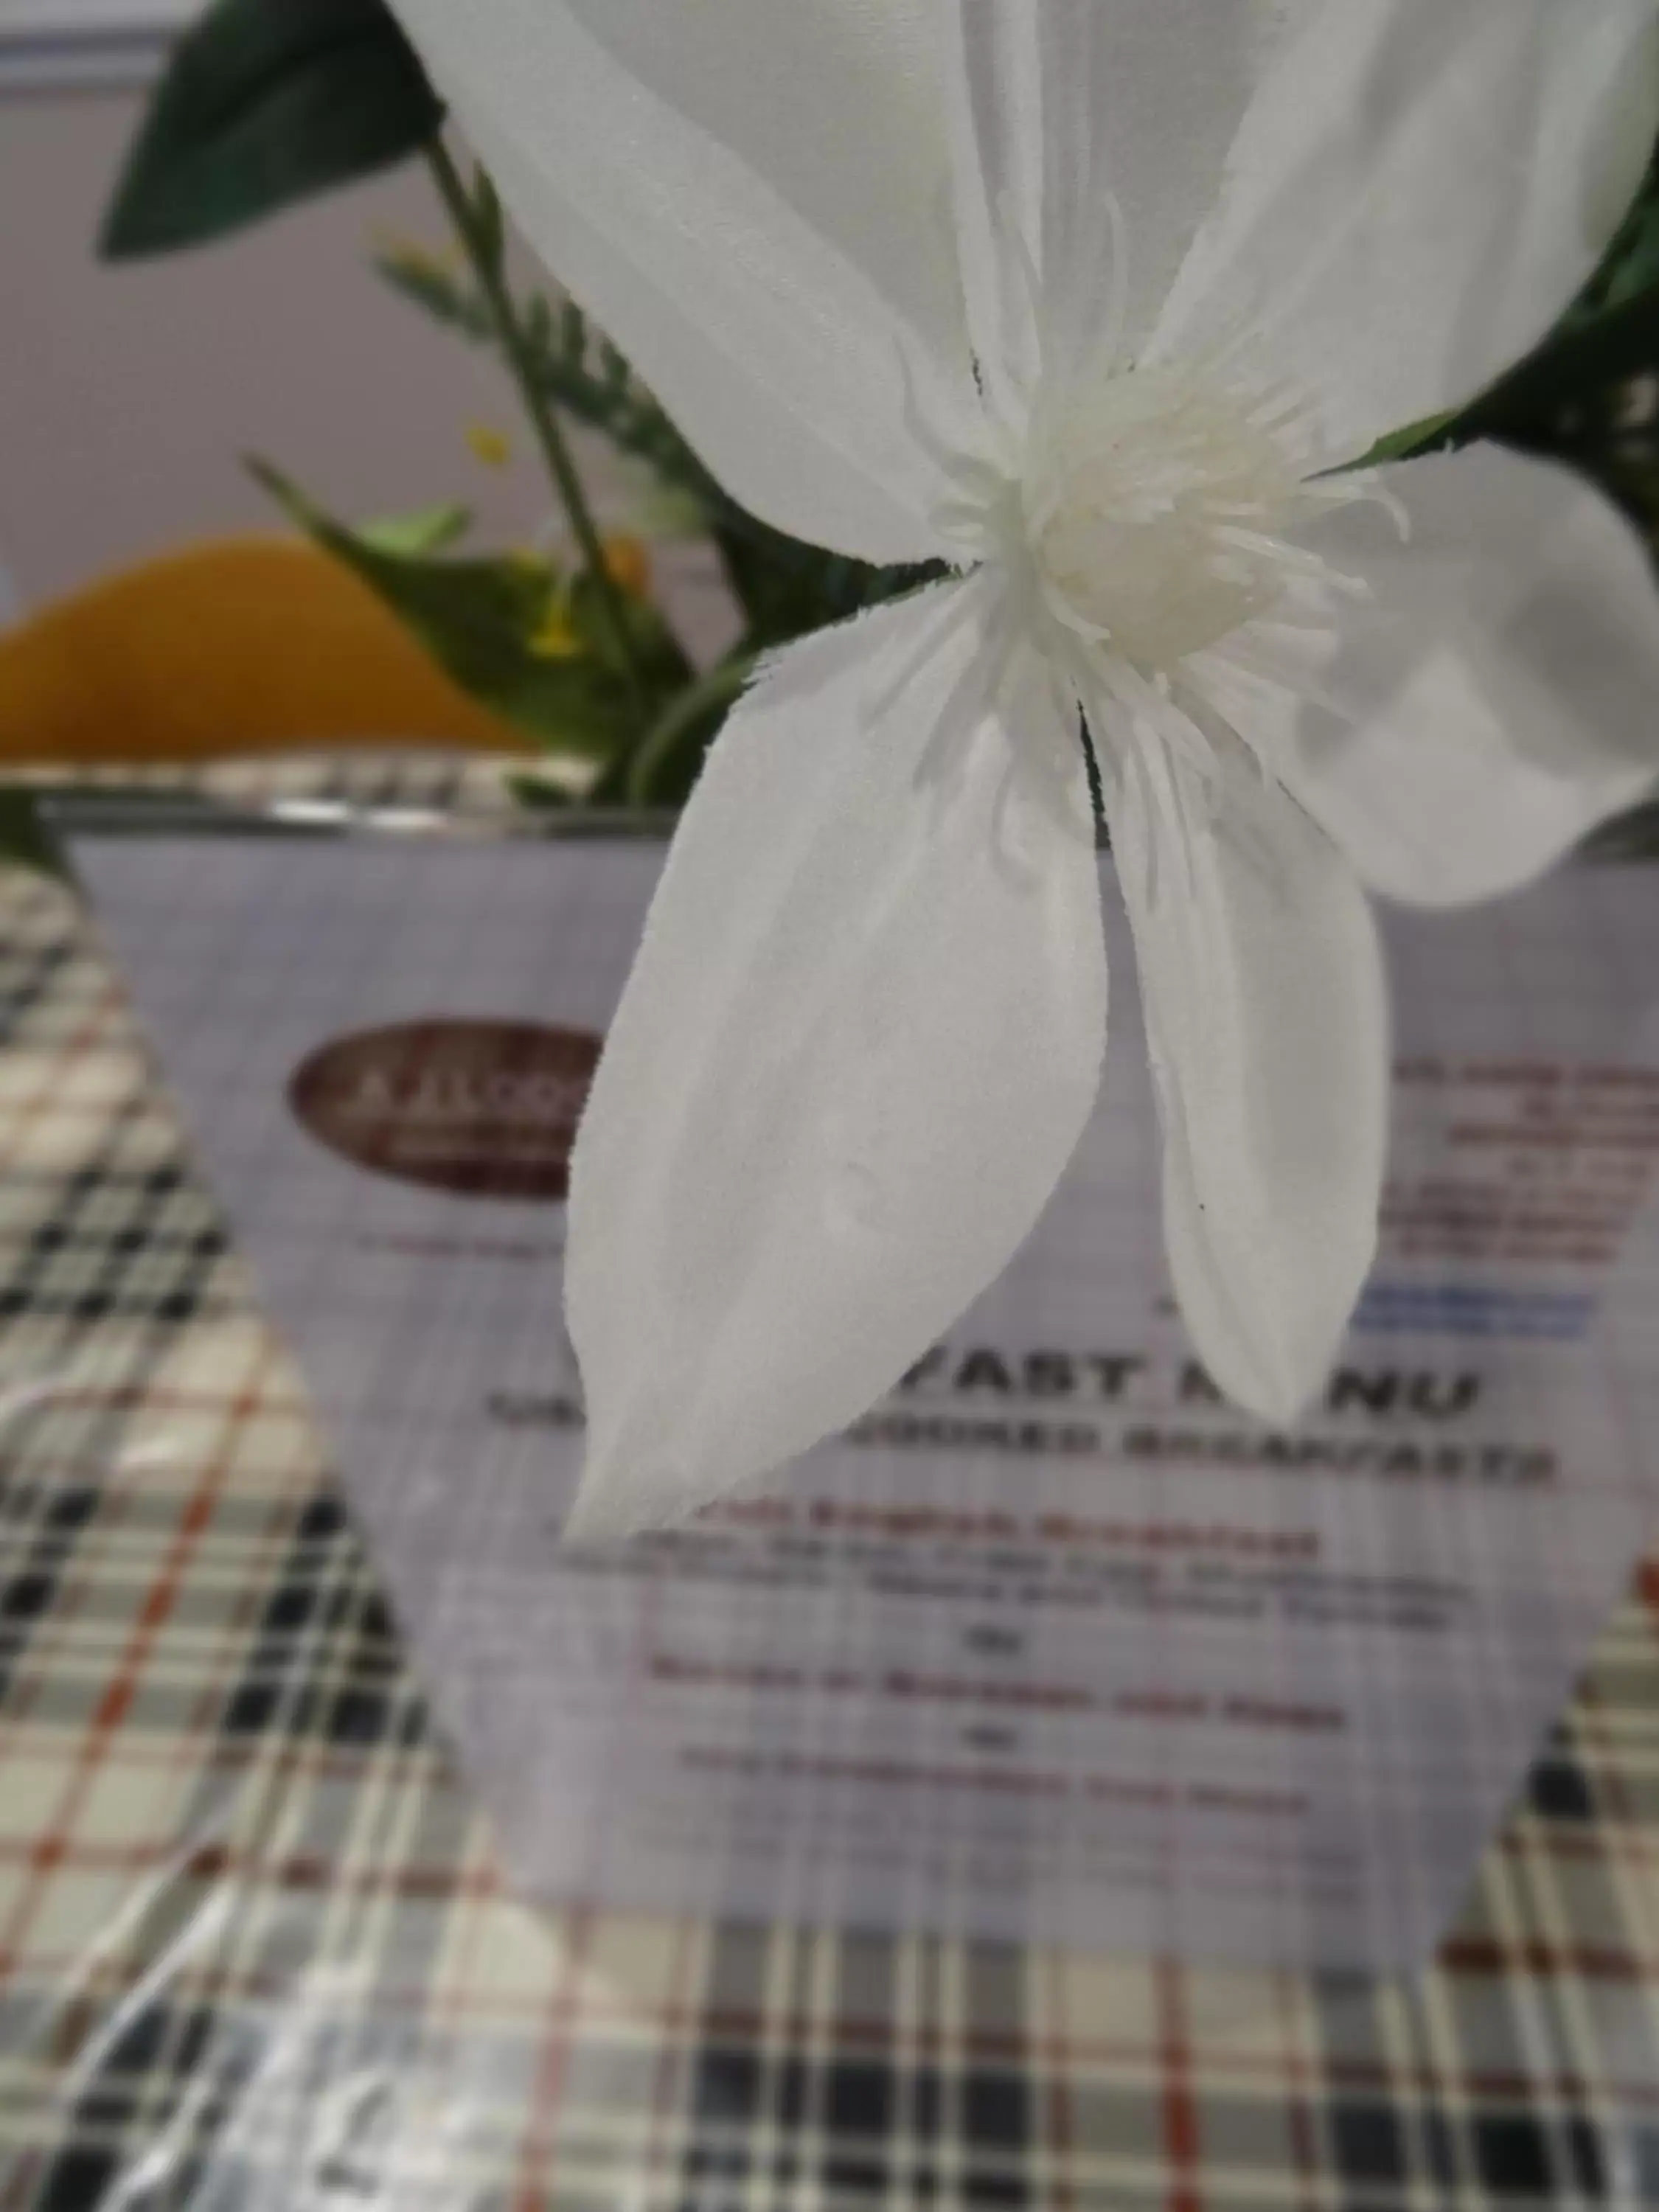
(491, 446)
(628, 562)
(412, 258)
(556, 640)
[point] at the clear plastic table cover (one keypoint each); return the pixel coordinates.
(256, 1949)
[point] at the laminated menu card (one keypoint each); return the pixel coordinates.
(1053, 1644)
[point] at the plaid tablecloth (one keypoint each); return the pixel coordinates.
(255, 1951)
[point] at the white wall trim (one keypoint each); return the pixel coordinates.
(49, 44)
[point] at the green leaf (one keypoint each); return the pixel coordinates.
(423, 278)
(581, 373)
(1632, 836)
(490, 230)
(535, 794)
(24, 840)
(784, 586)
(1631, 264)
(669, 759)
(265, 103)
(1405, 445)
(433, 529)
(1573, 369)
(484, 622)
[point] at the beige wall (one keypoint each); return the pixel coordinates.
(127, 396)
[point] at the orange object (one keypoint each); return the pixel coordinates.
(244, 645)
(628, 561)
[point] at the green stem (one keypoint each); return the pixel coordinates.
(721, 686)
(515, 347)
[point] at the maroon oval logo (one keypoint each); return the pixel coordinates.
(487, 1110)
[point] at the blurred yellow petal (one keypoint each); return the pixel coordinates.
(491, 446)
(629, 563)
(409, 256)
(556, 640)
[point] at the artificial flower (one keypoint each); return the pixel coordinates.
(1087, 299)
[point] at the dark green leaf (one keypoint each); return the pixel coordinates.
(1417, 438)
(1581, 364)
(667, 763)
(1632, 836)
(1631, 264)
(538, 795)
(480, 620)
(265, 102)
(24, 840)
(489, 227)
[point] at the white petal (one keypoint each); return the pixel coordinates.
(860, 1041)
(1267, 1021)
(1496, 694)
(1418, 191)
(752, 201)
(1095, 136)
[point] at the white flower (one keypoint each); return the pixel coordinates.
(1085, 296)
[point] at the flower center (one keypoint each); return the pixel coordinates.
(1152, 502)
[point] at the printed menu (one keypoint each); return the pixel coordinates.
(1053, 1644)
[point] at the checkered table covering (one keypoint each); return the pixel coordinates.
(255, 1951)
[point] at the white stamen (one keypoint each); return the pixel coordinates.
(1135, 492)
(1141, 529)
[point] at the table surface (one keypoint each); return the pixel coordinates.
(255, 1950)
